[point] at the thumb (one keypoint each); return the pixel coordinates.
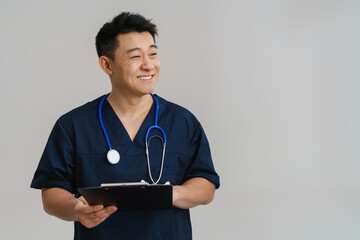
(82, 199)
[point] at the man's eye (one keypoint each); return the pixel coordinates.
(153, 54)
(135, 57)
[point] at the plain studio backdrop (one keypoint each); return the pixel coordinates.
(274, 83)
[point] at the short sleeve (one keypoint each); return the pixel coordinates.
(201, 161)
(56, 166)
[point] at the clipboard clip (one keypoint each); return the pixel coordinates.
(141, 183)
(167, 183)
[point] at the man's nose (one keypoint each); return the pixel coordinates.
(147, 64)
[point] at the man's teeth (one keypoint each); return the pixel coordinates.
(144, 77)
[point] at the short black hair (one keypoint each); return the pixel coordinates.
(106, 40)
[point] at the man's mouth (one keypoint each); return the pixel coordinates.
(145, 77)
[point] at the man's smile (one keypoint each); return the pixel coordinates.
(148, 77)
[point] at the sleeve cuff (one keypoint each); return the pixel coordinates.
(212, 178)
(37, 184)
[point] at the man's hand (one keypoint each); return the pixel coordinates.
(62, 204)
(91, 216)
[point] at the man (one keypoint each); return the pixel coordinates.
(75, 155)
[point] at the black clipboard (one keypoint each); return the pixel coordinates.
(130, 196)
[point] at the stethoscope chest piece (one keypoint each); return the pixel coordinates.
(113, 156)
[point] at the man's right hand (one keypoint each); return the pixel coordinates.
(62, 204)
(91, 216)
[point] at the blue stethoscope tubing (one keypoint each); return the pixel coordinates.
(113, 156)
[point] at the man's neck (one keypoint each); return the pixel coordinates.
(126, 105)
(130, 110)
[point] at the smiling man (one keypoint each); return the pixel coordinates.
(76, 153)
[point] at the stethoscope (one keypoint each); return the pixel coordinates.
(113, 156)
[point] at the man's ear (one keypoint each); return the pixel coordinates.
(105, 64)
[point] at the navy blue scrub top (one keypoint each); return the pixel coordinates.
(75, 157)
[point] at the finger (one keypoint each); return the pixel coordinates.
(83, 200)
(92, 209)
(110, 210)
(95, 207)
(81, 208)
(94, 219)
(104, 213)
(91, 216)
(92, 223)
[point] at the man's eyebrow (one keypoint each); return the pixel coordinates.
(137, 48)
(132, 50)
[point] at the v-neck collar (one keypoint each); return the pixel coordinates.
(119, 137)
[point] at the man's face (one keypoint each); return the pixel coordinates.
(136, 67)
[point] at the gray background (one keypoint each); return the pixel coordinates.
(274, 83)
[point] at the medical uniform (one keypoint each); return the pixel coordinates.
(75, 157)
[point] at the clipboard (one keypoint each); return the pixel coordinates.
(130, 196)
